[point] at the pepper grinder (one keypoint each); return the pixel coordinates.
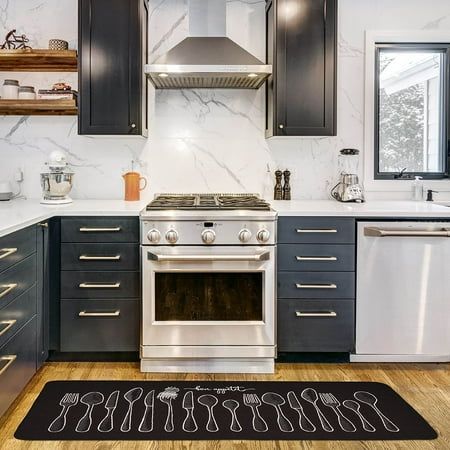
(278, 191)
(287, 185)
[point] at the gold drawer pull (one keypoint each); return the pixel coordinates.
(99, 258)
(99, 285)
(7, 289)
(8, 323)
(10, 359)
(315, 314)
(316, 258)
(100, 230)
(5, 252)
(99, 314)
(316, 230)
(316, 286)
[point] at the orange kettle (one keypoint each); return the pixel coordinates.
(133, 186)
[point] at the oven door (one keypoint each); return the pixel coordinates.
(208, 296)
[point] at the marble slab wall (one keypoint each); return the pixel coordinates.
(200, 140)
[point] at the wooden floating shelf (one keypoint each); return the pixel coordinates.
(38, 108)
(27, 60)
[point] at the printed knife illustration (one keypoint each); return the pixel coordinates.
(146, 424)
(303, 421)
(189, 424)
(107, 423)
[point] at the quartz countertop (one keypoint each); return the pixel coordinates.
(18, 214)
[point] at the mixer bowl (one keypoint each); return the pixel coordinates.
(56, 185)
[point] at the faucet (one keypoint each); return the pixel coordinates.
(401, 175)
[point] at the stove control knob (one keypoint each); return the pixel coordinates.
(263, 235)
(208, 236)
(154, 236)
(172, 236)
(245, 235)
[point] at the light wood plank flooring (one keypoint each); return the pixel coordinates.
(426, 387)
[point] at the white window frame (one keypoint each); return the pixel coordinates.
(384, 37)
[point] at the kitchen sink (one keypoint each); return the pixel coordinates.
(447, 203)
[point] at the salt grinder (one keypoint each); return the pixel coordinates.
(287, 185)
(278, 191)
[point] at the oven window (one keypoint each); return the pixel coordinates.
(217, 296)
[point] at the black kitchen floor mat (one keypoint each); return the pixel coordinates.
(190, 410)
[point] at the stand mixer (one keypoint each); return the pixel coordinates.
(56, 182)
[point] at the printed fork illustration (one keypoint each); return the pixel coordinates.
(332, 402)
(69, 399)
(253, 402)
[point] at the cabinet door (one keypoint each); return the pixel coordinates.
(304, 90)
(110, 67)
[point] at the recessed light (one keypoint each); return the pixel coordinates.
(252, 75)
(163, 75)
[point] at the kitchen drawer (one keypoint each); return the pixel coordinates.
(100, 284)
(16, 246)
(17, 364)
(100, 229)
(100, 256)
(316, 230)
(316, 325)
(316, 285)
(316, 257)
(107, 325)
(16, 314)
(17, 279)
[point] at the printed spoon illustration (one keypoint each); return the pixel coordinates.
(90, 399)
(276, 400)
(130, 396)
(107, 423)
(170, 393)
(355, 407)
(146, 424)
(371, 400)
(303, 421)
(232, 406)
(209, 401)
(310, 395)
(189, 424)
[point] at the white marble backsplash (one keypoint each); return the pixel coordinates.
(200, 140)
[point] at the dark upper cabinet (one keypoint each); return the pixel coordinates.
(301, 46)
(112, 51)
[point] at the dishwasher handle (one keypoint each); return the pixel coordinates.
(380, 232)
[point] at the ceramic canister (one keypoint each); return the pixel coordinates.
(10, 90)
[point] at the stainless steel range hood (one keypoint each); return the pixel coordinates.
(207, 59)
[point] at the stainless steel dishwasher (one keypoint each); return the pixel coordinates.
(403, 292)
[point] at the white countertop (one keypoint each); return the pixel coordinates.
(18, 214)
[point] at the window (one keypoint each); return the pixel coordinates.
(412, 111)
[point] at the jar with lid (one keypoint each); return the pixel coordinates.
(10, 90)
(348, 161)
(27, 93)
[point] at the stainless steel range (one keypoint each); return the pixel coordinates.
(208, 271)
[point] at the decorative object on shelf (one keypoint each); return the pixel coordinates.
(10, 90)
(51, 94)
(58, 44)
(15, 42)
(133, 186)
(27, 93)
(62, 86)
(278, 190)
(287, 185)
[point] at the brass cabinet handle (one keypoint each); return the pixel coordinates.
(8, 289)
(316, 230)
(43, 224)
(99, 285)
(7, 252)
(10, 359)
(99, 258)
(316, 258)
(100, 230)
(8, 323)
(99, 314)
(316, 286)
(315, 314)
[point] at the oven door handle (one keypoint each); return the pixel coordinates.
(264, 256)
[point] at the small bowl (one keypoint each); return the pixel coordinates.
(58, 44)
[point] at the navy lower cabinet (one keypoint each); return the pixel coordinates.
(100, 293)
(316, 284)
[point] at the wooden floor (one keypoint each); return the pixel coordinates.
(426, 387)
